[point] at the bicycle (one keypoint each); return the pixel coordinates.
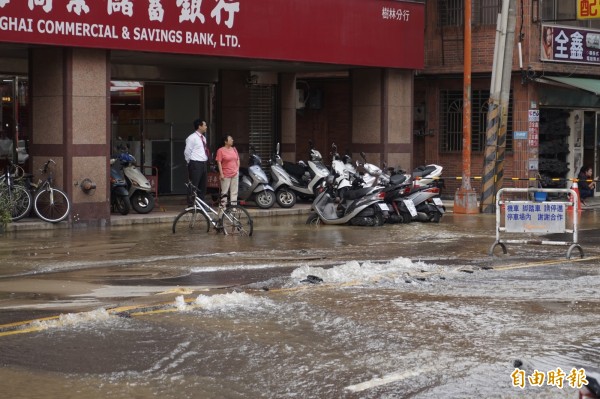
(200, 217)
(18, 197)
(49, 203)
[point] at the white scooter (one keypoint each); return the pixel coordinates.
(282, 182)
(343, 174)
(306, 179)
(254, 185)
(138, 186)
(372, 174)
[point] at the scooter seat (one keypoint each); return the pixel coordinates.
(354, 194)
(397, 179)
(294, 169)
(423, 171)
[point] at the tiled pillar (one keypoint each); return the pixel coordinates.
(382, 115)
(234, 110)
(70, 124)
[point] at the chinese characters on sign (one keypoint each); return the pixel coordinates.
(588, 9)
(395, 14)
(569, 44)
(256, 29)
(533, 139)
(556, 378)
(535, 217)
(189, 9)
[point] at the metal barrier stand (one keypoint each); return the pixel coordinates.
(536, 217)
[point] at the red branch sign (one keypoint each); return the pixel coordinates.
(384, 33)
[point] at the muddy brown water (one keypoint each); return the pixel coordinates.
(407, 311)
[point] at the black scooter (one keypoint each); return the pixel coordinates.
(119, 195)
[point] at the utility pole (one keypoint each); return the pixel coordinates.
(497, 118)
(465, 199)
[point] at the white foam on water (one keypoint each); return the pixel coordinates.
(225, 302)
(368, 271)
(70, 320)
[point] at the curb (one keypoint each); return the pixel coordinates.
(158, 216)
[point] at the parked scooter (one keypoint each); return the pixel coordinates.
(139, 188)
(119, 196)
(343, 175)
(282, 182)
(359, 207)
(307, 178)
(254, 184)
(371, 174)
(428, 175)
(411, 200)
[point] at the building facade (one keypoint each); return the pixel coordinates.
(552, 127)
(81, 78)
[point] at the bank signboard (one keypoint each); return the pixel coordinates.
(384, 33)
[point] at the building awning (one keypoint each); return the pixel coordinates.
(591, 85)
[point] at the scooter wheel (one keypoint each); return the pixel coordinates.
(285, 198)
(121, 205)
(265, 199)
(313, 219)
(142, 202)
(435, 217)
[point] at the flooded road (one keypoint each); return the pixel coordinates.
(402, 311)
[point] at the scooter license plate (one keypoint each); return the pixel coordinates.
(410, 205)
(383, 206)
(437, 201)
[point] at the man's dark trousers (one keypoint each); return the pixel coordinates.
(198, 175)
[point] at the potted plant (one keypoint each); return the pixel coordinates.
(5, 213)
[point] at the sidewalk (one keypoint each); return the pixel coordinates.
(168, 207)
(165, 211)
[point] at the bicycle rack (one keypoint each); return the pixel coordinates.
(535, 217)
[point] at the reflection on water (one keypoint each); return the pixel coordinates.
(398, 328)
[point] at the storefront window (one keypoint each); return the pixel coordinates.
(126, 115)
(153, 120)
(14, 127)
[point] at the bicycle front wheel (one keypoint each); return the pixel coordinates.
(237, 221)
(51, 205)
(191, 221)
(20, 201)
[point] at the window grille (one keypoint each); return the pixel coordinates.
(451, 121)
(483, 12)
(487, 12)
(451, 12)
(262, 120)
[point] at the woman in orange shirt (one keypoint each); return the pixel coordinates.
(228, 162)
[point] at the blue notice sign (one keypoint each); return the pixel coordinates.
(519, 135)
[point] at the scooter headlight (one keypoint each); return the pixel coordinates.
(261, 177)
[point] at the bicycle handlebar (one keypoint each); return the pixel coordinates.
(45, 168)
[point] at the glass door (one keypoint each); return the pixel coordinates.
(14, 128)
(126, 112)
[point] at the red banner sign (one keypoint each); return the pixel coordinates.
(382, 33)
